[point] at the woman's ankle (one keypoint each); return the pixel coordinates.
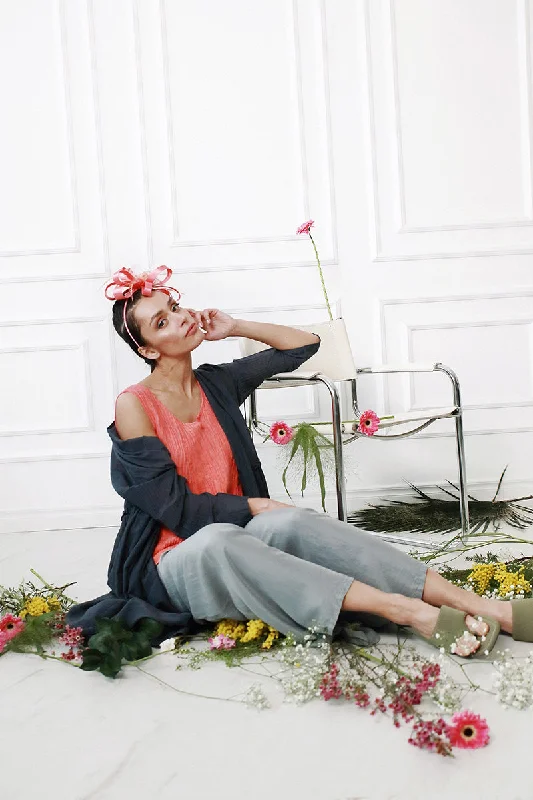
(402, 610)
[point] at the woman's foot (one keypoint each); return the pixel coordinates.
(424, 621)
(440, 592)
(500, 610)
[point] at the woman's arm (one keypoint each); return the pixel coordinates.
(282, 337)
(131, 419)
(220, 325)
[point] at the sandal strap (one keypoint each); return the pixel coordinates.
(522, 620)
(451, 624)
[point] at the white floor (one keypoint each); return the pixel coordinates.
(70, 735)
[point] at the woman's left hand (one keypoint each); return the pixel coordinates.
(217, 324)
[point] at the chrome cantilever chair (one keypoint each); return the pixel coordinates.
(334, 363)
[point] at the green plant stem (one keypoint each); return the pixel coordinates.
(382, 662)
(348, 421)
(502, 538)
(52, 658)
(49, 586)
(148, 658)
(321, 278)
(183, 691)
(475, 686)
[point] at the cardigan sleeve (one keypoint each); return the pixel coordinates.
(248, 373)
(143, 473)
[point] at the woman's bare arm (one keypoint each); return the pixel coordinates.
(282, 337)
(219, 325)
(131, 419)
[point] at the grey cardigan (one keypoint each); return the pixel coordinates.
(143, 473)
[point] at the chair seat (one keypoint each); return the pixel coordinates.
(300, 378)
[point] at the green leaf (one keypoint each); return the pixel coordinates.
(293, 452)
(111, 666)
(305, 448)
(36, 633)
(149, 627)
(426, 514)
(320, 471)
(113, 643)
(91, 659)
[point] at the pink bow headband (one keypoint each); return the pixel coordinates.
(125, 283)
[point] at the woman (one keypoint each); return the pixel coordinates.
(201, 540)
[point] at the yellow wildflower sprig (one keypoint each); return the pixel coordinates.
(496, 578)
(251, 631)
(36, 606)
(30, 600)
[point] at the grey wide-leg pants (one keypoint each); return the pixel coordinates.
(290, 568)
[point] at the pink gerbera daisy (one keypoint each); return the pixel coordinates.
(10, 627)
(281, 433)
(468, 730)
(368, 423)
(306, 227)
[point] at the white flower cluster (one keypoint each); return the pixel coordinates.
(256, 698)
(514, 680)
(469, 586)
(306, 664)
(169, 645)
(447, 694)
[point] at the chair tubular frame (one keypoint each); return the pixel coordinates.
(338, 430)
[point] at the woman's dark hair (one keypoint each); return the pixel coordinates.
(118, 324)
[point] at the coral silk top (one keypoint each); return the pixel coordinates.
(199, 449)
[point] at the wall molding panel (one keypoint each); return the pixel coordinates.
(395, 237)
(423, 329)
(89, 248)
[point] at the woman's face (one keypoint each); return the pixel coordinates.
(166, 327)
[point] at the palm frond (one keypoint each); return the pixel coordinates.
(426, 514)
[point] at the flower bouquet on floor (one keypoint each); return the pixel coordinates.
(387, 680)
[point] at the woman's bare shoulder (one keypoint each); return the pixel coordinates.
(131, 420)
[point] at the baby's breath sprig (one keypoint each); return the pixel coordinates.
(514, 680)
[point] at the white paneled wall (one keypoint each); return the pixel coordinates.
(200, 135)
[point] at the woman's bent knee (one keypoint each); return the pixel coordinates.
(279, 525)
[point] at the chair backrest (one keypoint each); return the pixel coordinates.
(334, 358)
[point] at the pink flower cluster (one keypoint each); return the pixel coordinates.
(431, 735)
(379, 705)
(73, 639)
(10, 627)
(330, 689)
(221, 642)
(466, 730)
(411, 691)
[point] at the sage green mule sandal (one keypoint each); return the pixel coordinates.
(451, 625)
(522, 620)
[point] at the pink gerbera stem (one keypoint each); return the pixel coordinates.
(321, 277)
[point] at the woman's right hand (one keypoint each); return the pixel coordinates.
(258, 505)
